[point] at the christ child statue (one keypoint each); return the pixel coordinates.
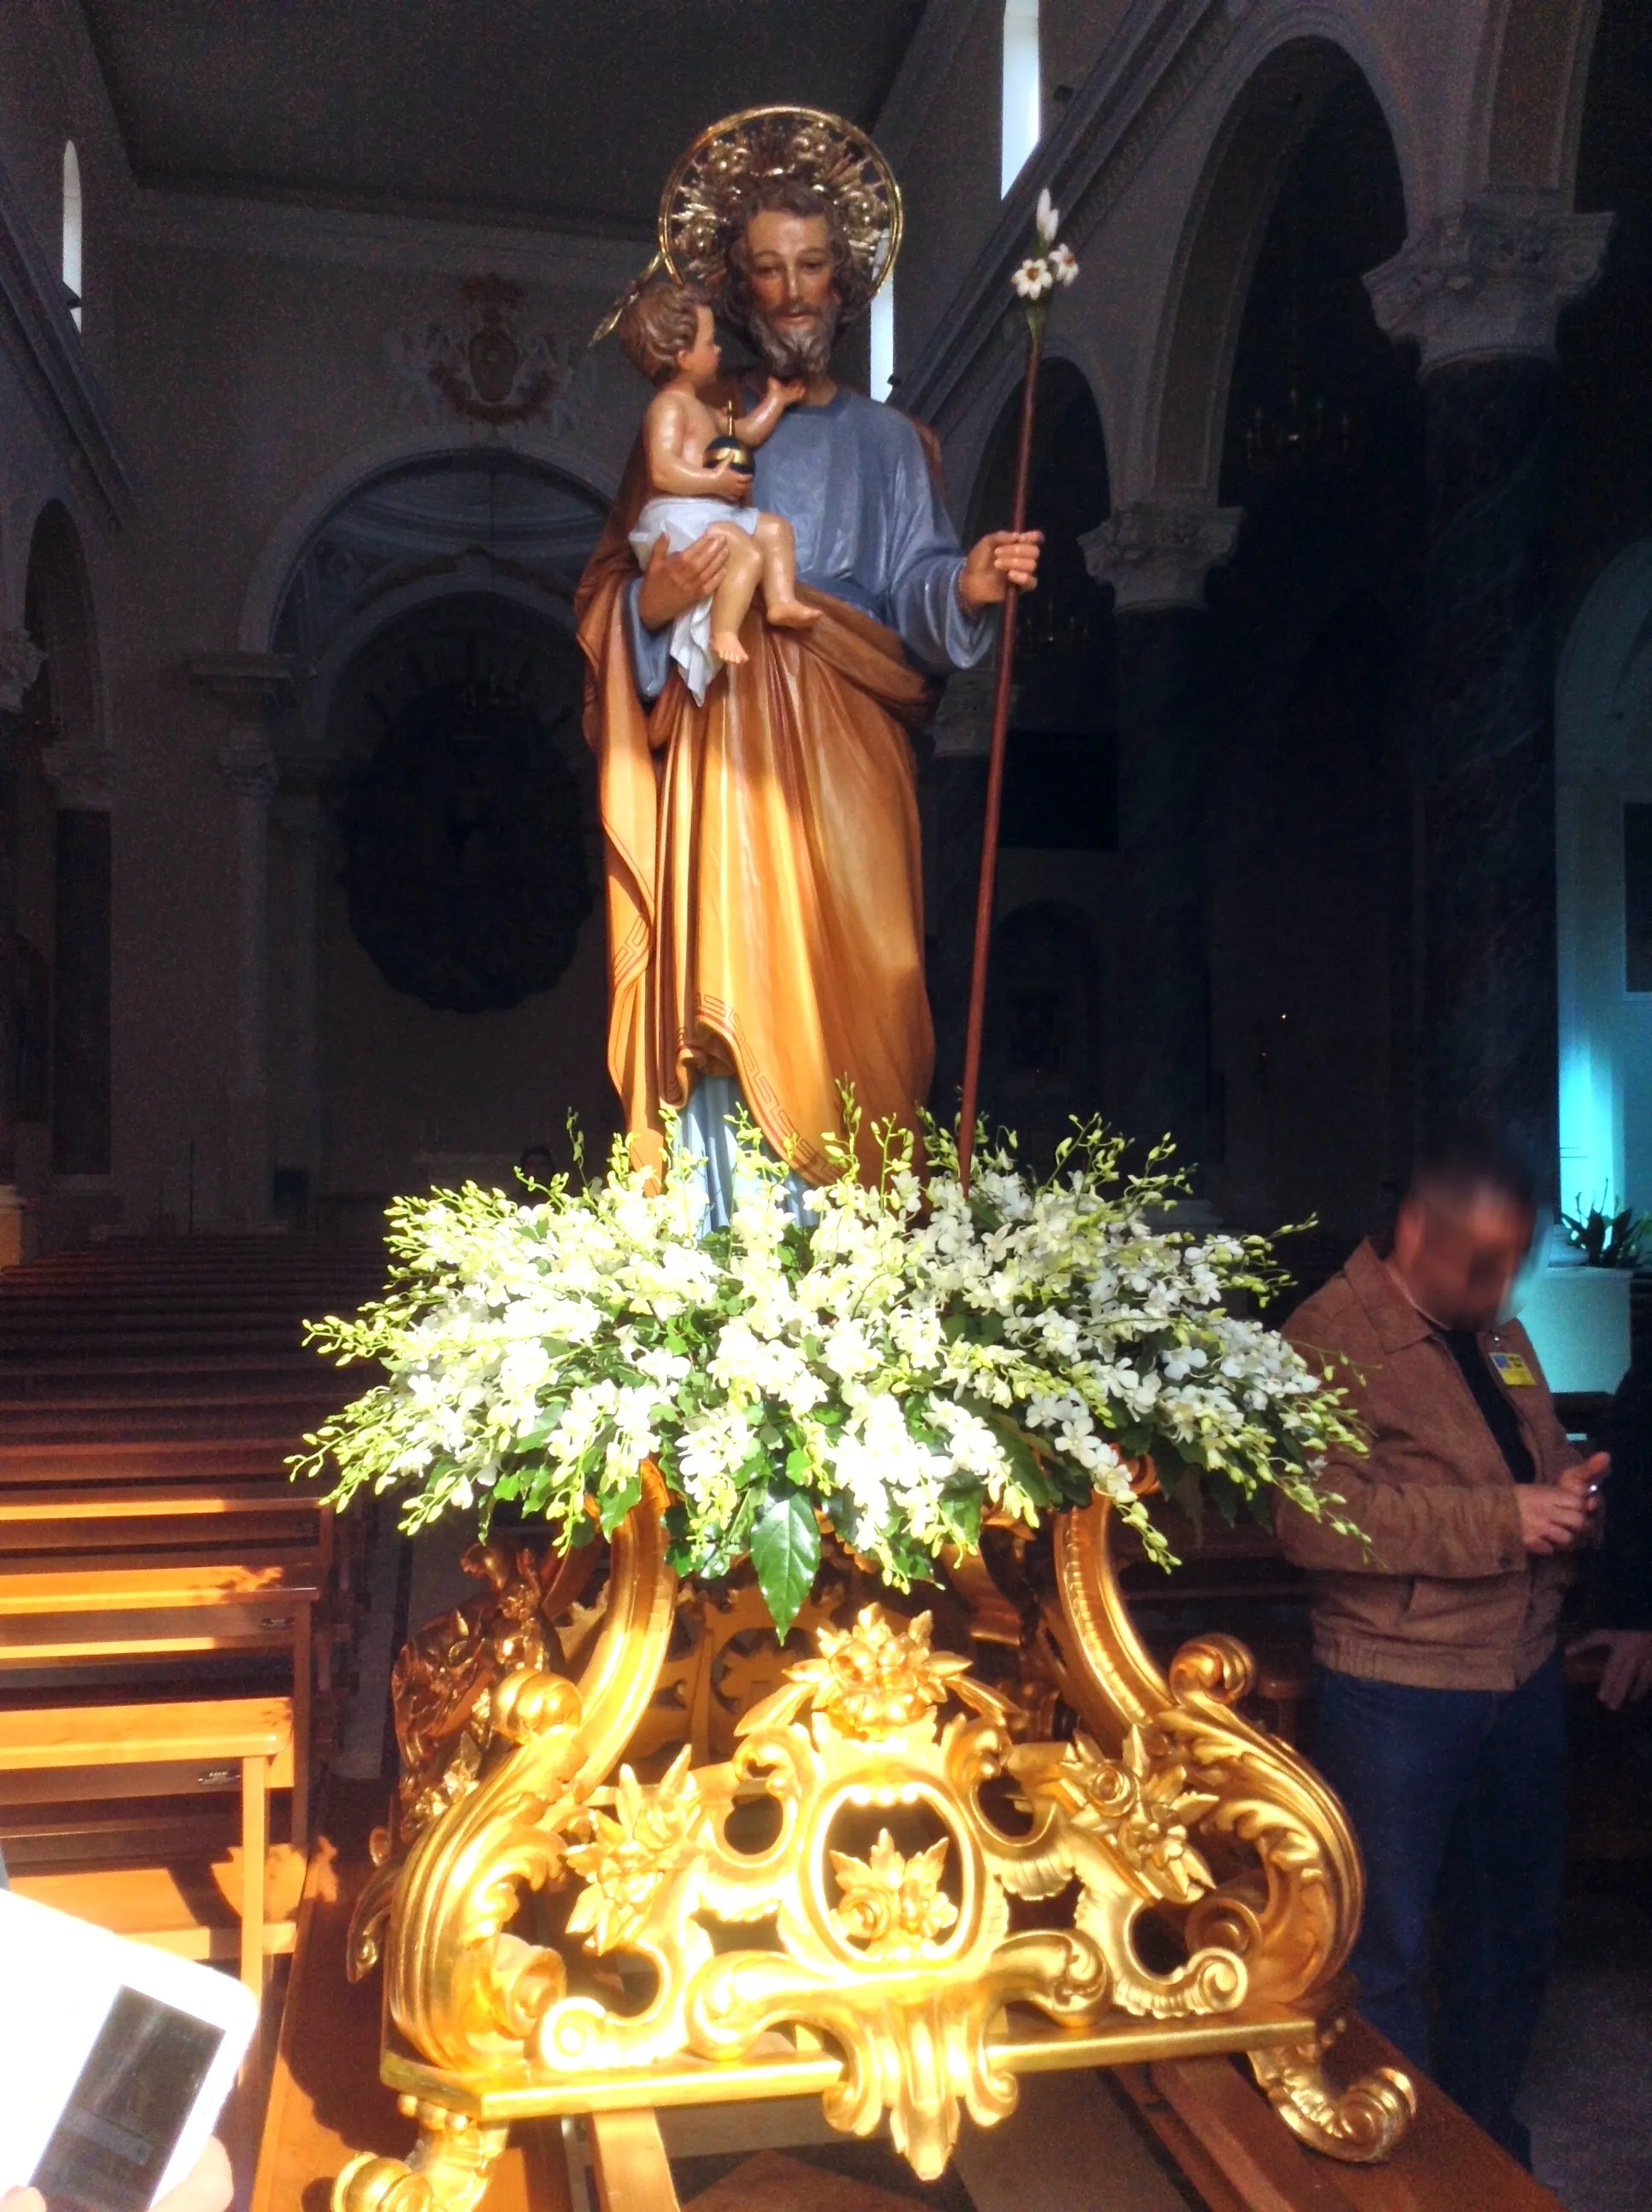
(668, 333)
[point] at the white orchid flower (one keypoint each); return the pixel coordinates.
(1047, 220)
(1063, 263)
(1033, 279)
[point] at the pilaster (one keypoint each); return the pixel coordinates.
(250, 686)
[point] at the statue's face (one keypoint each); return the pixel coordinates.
(789, 259)
(794, 300)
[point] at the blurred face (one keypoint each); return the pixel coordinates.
(701, 362)
(1458, 1255)
(794, 291)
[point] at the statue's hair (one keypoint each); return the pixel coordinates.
(657, 324)
(788, 196)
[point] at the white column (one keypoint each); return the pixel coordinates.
(249, 684)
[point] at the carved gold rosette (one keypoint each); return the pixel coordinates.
(708, 1871)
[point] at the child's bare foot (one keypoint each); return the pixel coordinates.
(725, 644)
(790, 614)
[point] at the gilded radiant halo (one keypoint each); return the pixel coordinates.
(729, 160)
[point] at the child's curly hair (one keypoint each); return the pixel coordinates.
(657, 324)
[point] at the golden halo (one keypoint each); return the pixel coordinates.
(726, 161)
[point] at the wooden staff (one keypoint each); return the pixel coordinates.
(995, 766)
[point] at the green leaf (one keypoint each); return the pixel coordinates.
(551, 1415)
(960, 1511)
(785, 1553)
(1024, 1463)
(613, 1507)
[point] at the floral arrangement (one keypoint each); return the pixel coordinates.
(907, 1361)
(1051, 266)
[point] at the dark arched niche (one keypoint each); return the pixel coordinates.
(1275, 114)
(1309, 811)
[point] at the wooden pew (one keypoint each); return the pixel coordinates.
(113, 1607)
(77, 1752)
(151, 1393)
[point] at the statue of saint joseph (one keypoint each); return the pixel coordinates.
(765, 905)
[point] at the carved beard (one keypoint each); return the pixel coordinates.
(801, 349)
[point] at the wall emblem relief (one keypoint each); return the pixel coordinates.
(485, 363)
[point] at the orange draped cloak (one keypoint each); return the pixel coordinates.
(765, 904)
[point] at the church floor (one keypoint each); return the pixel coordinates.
(1586, 2094)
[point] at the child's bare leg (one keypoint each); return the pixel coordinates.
(780, 565)
(731, 602)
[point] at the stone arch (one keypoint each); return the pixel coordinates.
(563, 458)
(1529, 103)
(1266, 125)
(971, 450)
(393, 568)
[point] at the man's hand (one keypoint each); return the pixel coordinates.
(674, 582)
(1628, 1673)
(1552, 1516)
(210, 2187)
(1002, 557)
(1585, 1478)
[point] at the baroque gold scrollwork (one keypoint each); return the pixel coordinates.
(888, 1858)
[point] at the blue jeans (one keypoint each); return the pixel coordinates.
(1458, 1798)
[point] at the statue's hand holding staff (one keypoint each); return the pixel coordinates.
(1001, 558)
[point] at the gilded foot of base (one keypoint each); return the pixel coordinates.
(1360, 2124)
(448, 2171)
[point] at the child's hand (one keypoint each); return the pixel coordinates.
(788, 394)
(727, 483)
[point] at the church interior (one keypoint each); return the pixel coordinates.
(1323, 822)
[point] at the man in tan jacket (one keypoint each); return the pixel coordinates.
(1438, 1698)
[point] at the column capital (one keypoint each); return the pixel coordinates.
(21, 662)
(1157, 553)
(249, 684)
(81, 772)
(1487, 281)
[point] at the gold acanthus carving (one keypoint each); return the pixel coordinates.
(888, 1859)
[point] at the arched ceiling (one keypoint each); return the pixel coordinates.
(535, 111)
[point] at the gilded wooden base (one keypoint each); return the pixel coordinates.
(870, 1873)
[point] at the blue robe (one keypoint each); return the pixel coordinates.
(853, 480)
